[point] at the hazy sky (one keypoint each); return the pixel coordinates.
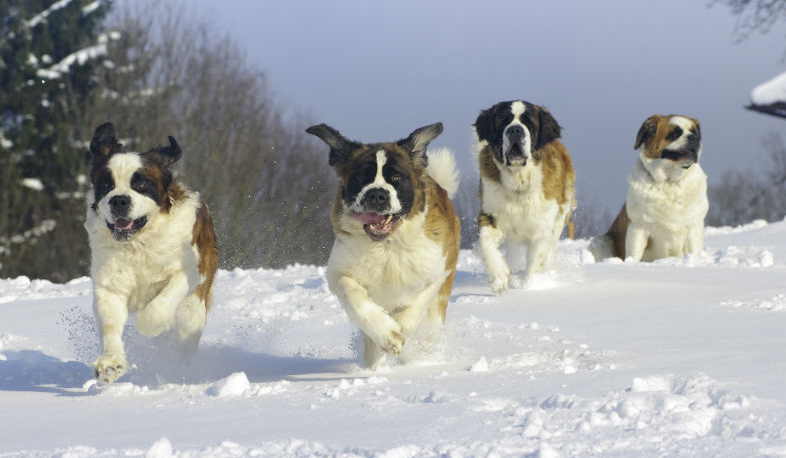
(377, 70)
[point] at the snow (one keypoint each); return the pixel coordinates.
(33, 183)
(769, 92)
(44, 14)
(80, 57)
(90, 7)
(4, 142)
(680, 357)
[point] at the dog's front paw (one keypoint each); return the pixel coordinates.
(150, 322)
(109, 368)
(499, 282)
(393, 342)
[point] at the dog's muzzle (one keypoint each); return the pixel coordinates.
(514, 156)
(687, 156)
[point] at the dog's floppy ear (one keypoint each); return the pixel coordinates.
(168, 155)
(647, 129)
(418, 140)
(104, 142)
(340, 147)
(548, 130)
(484, 126)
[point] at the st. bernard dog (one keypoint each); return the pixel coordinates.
(397, 236)
(153, 248)
(663, 215)
(527, 186)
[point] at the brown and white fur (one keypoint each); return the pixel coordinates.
(663, 215)
(397, 236)
(153, 249)
(527, 186)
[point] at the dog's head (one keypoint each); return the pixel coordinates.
(516, 131)
(669, 145)
(381, 183)
(129, 189)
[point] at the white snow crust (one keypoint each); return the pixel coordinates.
(675, 358)
(770, 92)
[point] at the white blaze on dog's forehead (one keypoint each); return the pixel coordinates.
(382, 159)
(123, 167)
(685, 123)
(379, 182)
(518, 108)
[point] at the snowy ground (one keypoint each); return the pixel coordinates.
(678, 358)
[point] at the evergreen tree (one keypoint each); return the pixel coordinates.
(50, 52)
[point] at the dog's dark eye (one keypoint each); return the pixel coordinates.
(140, 186)
(674, 134)
(395, 178)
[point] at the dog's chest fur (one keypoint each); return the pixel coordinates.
(668, 206)
(393, 272)
(140, 267)
(517, 203)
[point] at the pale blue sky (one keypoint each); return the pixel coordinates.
(376, 70)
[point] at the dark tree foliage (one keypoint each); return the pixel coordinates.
(49, 52)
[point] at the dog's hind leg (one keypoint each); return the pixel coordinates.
(191, 317)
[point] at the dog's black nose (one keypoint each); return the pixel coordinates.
(515, 133)
(376, 199)
(120, 205)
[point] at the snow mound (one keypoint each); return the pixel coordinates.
(236, 384)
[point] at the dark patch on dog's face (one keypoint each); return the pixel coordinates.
(516, 130)
(103, 183)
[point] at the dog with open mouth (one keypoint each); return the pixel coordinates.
(664, 212)
(397, 236)
(527, 186)
(152, 245)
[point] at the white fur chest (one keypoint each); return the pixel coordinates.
(393, 272)
(670, 205)
(138, 268)
(521, 210)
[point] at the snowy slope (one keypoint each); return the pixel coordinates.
(678, 358)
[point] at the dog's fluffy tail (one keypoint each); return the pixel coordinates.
(442, 168)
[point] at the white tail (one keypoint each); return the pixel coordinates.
(442, 168)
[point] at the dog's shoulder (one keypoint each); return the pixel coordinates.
(558, 174)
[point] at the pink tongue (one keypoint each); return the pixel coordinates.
(124, 224)
(369, 217)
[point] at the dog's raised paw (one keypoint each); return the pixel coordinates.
(109, 368)
(499, 283)
(394, 342)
